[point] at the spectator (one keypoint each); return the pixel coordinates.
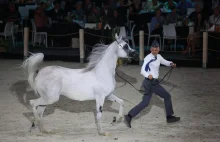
(40, 20)
(152, 5)
(112, 4)
(215, 18)
(193, 39)
(12, 14)
(134, 9)
(182, 6)
(156, 26)
(93, 16)
(118, 20)
(56, 14)
(172, 16)
(87, 6)
(43, 5)
(122, 10)
(78, 12)
(169, 4)
(69, 6)
(106, 14)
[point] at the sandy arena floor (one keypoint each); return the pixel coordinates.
(195, 94)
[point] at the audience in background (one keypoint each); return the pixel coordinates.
(193, 39)
(41, 21)
(172, 16)
(214, 19)
(152, 5)
(182, 6)
(56, 14)
(106, 14)
(114, 13)
(12, 14)
(87, 5)
(134, 9)
(117, 20)
(69, 6)
(169, 4)
(78, 12)
(93, 16)
(156, 26)
(122, 10)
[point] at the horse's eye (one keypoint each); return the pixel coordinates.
(125, 47)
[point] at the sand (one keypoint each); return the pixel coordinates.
(195, 95)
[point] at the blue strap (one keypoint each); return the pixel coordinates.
(147, 66)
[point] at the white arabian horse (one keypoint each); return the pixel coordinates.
(95, 82)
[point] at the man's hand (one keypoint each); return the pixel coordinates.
(173, 65)
(150, 77)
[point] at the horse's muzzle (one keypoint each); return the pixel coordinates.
(133, 54)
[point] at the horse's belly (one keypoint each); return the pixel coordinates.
(78, 95)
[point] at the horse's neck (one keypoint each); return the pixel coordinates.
(106, 67)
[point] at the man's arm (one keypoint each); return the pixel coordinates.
(165, 62)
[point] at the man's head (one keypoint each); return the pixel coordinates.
(155, 48)
(158, 12)
(43, 5)
(173, 8)
(154, 2)
(170, 2)
(12, 6)
(78, 5)
(56, 5)
(197, 7)
(216, 11)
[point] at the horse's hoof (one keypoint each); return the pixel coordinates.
(33, 126)
(117, 119)
(114, 120)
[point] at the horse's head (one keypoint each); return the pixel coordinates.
(124, 49)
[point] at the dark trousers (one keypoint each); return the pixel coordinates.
(150, 87)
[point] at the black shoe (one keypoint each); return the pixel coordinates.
(171, 119)
(128, 121)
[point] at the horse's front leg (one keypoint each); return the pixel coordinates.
(114, 98)
(99, 107)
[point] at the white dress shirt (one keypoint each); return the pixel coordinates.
(154, 66)
(214, 20)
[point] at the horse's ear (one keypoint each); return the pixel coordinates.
(116, 36)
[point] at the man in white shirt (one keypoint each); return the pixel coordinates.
(150, 70)
(215, 18)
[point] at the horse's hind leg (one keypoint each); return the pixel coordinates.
(99, 107)
(35, 107)
(38, 107)
(114, 98)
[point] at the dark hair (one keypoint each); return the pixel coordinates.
(56, 2)
(158, 9)
(42, 3)
(173, 7)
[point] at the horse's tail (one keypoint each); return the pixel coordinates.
(32, 64)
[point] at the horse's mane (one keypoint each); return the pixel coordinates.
(96, 55)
